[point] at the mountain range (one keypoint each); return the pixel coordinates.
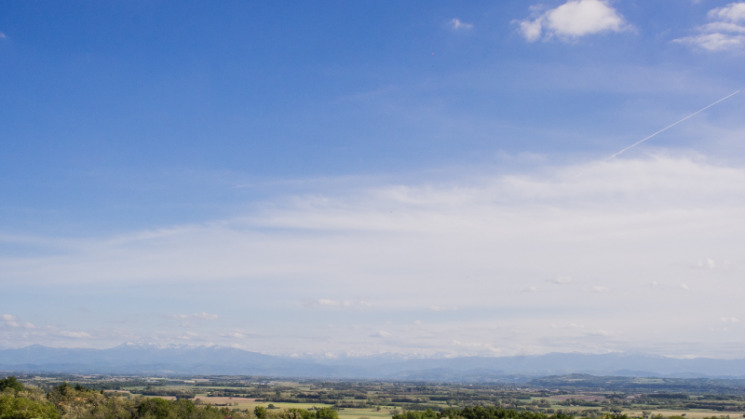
(213, 360)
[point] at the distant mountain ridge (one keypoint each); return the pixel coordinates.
(197, 360)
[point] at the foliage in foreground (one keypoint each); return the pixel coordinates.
(18, 401)
(65, 401)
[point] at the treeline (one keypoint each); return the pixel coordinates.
(585, 382)
(484, 412)
(65, 401)
(493, 412)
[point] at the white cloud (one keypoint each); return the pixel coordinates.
(730, 320)
(726, 32)
(188, 336)
(475, 244)
(74, 335)
(733, 12)
(10, 320)
(573, 19)
(532, 29)
(715, 27)
(717, 41)
(205, 316)
(458, 25)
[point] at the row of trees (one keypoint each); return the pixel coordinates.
(494, 412)
(17, 401)
(482, 412)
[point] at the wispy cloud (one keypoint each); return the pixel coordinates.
(733, 12)
(74, 334)
(417, 251)
(19, 332)
(724, 32)
(571, 20)
(9, 320)
(729, 320)
(382, 334)
(458, 25)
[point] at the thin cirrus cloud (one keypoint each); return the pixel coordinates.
(402, 226)
(572, 20)
(9, 320)
(455, 254)
(724, 32)
(734, 12)
(458, 25)
(17, 331)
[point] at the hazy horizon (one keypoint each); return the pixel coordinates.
(355, 178)
(344, 356)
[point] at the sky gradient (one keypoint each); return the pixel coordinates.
(362, 177)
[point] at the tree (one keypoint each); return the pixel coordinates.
(155, 408)
(12, 407)
(11, 383)
(19, 402)
(327, 413)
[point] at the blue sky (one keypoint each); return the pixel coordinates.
(362, 177)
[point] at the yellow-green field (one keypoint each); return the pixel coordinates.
(250, 404)
(362, 413)
(246, 403)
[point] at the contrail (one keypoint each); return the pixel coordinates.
(672, 125)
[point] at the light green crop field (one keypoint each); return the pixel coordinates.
(362, 413)
(246, 403)
(250, 404)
